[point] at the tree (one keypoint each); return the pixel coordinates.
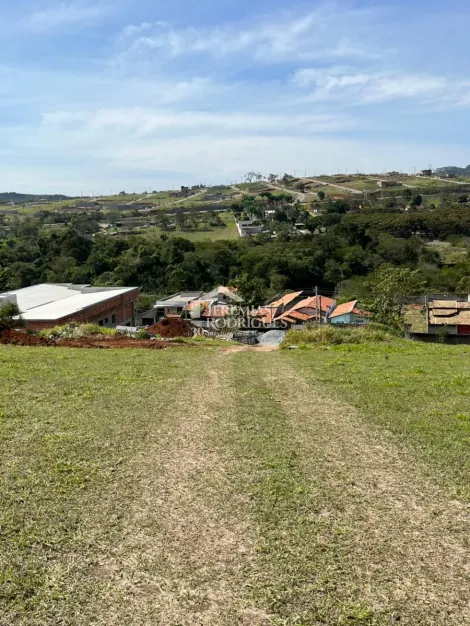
(164, 222)
(321, 195)
(180, 220)
(10, 316)
(250, 176)
(286, 180)
(272, 178)
(390, 289)
(252, 290)
(416, 200)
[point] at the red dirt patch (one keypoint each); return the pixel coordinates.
(22, 338)
(172, 327)
(99, 341)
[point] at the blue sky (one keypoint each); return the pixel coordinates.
(101, 95)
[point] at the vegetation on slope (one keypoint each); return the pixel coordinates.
(285, 488)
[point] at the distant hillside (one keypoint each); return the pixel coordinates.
(453, 170)
(12, 196)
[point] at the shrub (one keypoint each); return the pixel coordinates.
(74, 330)
(10, 316)
(334, 335)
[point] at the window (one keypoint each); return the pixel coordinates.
(100, 323)
(106, 320)
(113, 318)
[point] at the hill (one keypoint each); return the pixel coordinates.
(12, 196)
(453, 170)
(325, 485)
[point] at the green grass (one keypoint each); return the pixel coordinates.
(215, 234)
(73, 330)
(216, 487)
(419, 392)
(313, 335)
(70, 422)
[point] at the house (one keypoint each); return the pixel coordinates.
(52, 304)
(425, 173)
(212, 308)
(309, 310)
(175, 304)
(388, 183)
(273, 309)
(349, 313)
(294, 309)
(246, 228)
(449, 316)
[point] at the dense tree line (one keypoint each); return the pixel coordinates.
(344, 244)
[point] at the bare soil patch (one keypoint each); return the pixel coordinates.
(172, 327)
(21, 338)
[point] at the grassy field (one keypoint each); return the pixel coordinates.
(223, 486)
(228, 232)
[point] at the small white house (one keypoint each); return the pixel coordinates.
(246, 228)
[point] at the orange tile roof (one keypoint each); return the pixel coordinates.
(324, 303)
(321, 302)
(264, 313)
(287, 299)
(343, 309)
(194, 304)
(288, 319)
(303, 317)
(216, 311)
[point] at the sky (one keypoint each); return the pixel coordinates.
(99, 96)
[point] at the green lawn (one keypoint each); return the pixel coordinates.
(215, 234)
(420, 392)
(221, 486)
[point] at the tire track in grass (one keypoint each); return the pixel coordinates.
(70, 468)
(186, 549)
(298, 548)
(395, 546)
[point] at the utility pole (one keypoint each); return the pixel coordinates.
(316, 302)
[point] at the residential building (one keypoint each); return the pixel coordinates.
(309, 310)
(273, 309)
(175, 304)
(349, 313)
(46, 305)
(246, 228)
(209, 308)
(448, 316)
(388, 183)
(425, 173)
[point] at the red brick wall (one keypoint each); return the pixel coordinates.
(122, 306)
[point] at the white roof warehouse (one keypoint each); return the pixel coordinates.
(47, 305)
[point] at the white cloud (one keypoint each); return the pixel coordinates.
(63, 15)
(141, 122)
(326, 31)
(339, 83)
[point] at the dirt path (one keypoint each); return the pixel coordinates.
(404, 546)
(342, 187)
(186, 543)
